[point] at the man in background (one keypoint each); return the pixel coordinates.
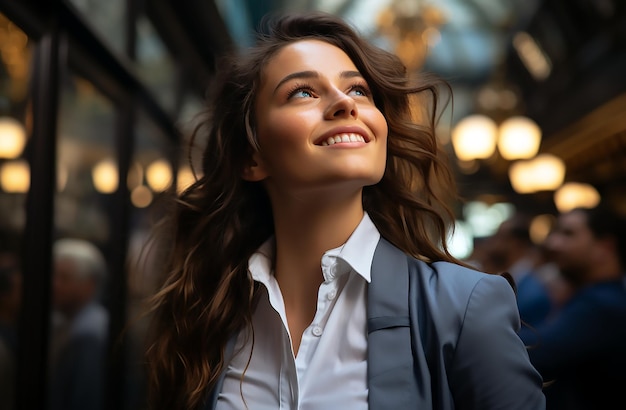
(80, 324)
(581, 350)
(512, 250)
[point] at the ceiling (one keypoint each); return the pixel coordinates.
(579, 100)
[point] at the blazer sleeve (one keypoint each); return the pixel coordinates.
(491, 367)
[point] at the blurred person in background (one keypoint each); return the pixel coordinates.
(80, 327)
(512, 250)
(581, 351)
(10, 297)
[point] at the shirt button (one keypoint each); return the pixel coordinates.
(317, 331)
(331, 295)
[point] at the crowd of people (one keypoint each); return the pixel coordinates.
(572, 301)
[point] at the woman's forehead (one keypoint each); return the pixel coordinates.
(306, 55)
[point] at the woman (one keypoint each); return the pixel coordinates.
(309, 266)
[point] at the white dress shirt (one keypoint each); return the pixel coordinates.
(330, 370)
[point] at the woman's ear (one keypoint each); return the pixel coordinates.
(254, 171)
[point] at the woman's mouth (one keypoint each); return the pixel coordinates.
(343, 138)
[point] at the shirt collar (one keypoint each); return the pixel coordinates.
(357, 253)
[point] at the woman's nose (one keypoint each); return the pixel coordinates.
(342, 106)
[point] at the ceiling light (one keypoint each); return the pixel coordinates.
(549, 171)
(534, 59)
(474, 137)
(545, 172)
(519, 138)
(576, 195)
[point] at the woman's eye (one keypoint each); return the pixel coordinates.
(304, 93)
(359, 91)
(301, 93)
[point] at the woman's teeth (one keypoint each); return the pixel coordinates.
(343, 138)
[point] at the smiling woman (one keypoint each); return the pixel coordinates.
(313, 101)
(308, 267)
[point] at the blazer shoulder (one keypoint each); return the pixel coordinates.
(448, 288)
(437, 283)
(450, 276)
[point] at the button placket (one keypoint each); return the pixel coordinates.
(331, 294)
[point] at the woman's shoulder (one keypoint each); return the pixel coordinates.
(451, 273)
(454, 281)
(439, 280)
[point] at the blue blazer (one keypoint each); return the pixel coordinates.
(441, 336)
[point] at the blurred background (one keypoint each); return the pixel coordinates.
(97, 100)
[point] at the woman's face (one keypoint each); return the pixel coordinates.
(317, 125)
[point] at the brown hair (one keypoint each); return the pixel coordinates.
(221, 219)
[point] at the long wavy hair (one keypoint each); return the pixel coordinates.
(217, 223)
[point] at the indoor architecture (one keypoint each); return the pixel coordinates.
(98, 100)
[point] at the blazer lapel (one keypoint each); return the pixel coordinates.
(395, 381)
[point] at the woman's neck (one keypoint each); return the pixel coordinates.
(304, 231)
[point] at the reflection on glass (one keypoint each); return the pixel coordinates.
(105, 17)
(85, 138)
(159, 175)
(105, 176)
(79, 324)
(155, 65)
(185, 178)
(151, 146)
(135, 176)
(15, 60)
(12, 137)
(152, 163)
(141, 196)
(15, 176)
(191, 155)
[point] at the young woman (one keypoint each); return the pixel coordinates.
(308, 265)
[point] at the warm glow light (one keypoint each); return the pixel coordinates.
(62, 177)
(12, 138)
(522, 177)
(141, 196)
(15, 177)
(533, 57)
(549, 171)
(105, 176)
(135, 176)
(545, 172)
(185, 178)
(576, 195)
(519, 138)
(540, 227)
(159, 175)
(474, 137)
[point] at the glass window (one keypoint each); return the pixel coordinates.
(87, 166)
(190, 159)
(15, 59)
(107, 19)
(150, 177)
(155, 65)
(86, 178)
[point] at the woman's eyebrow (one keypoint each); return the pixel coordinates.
(350, 74)
(314, 74)
(298, 74)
